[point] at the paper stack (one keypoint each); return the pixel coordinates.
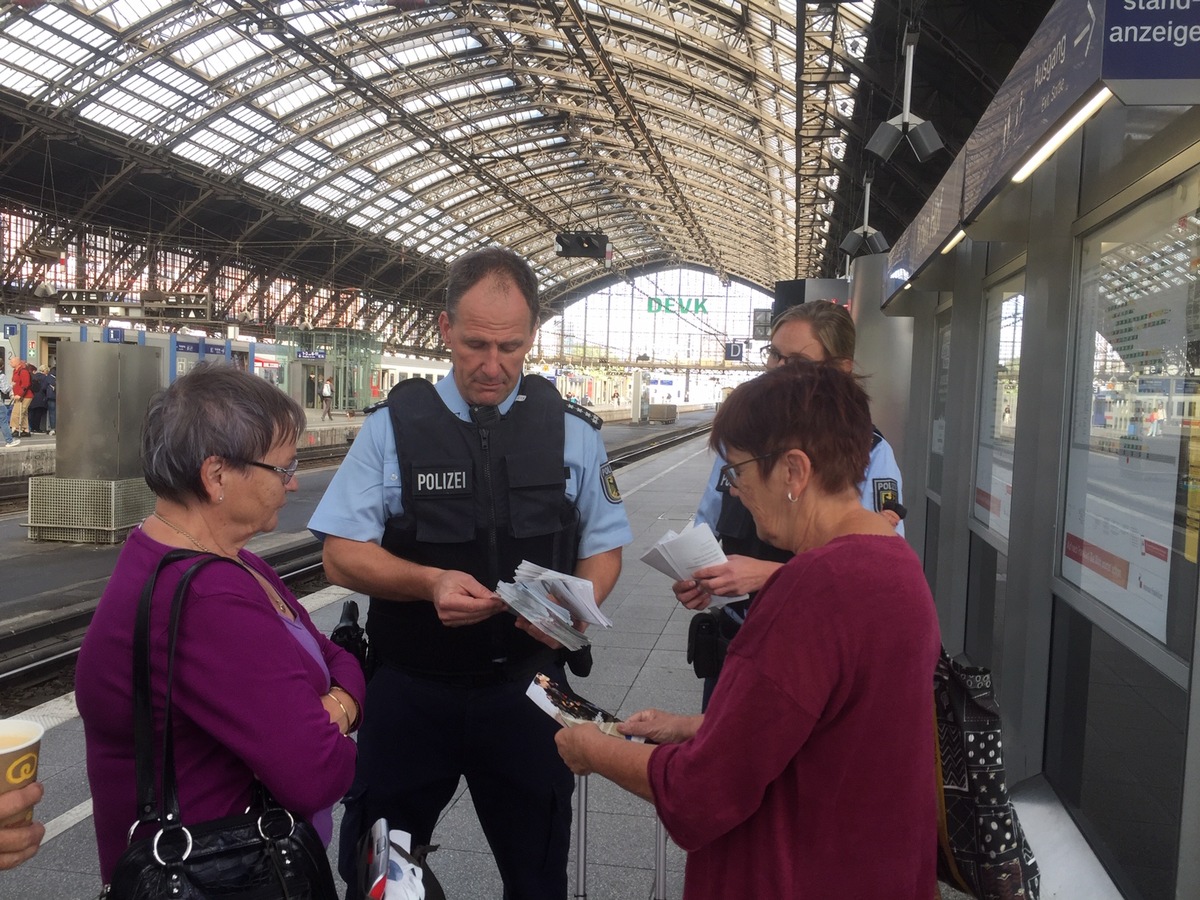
(679, 555)
(552, 601)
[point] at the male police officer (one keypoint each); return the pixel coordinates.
(438, 500)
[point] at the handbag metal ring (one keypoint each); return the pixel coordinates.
(291, 825)
(187, 848)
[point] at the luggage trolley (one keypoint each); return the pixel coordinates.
(658, 890)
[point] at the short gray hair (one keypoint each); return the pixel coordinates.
(213, 410)
(470, 269)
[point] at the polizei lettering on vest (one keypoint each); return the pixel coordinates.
(441, 481)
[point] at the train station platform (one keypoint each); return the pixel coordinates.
(640, 662)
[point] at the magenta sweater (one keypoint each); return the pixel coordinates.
(247, 697)
(813, 773)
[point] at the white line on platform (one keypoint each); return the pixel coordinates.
(67, 820)
(53, 712)
(648, 481)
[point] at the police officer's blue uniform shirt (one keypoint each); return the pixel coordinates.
(365, 491)
(883, 474)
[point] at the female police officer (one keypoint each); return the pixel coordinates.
(816, 331)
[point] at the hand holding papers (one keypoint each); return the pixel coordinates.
(679, 555)
(539, 595)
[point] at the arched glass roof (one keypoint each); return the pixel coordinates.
(672, 127)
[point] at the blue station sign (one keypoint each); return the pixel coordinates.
(1152, 51)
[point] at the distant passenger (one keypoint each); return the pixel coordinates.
(19, 842)
(6, 397)
(444, 491)
(814, 331)
(259, 692)
(37, 408)
(327, 400)
(22, 396)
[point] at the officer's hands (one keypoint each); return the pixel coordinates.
(461, 600)
(659, 727)
(538, 635)
(736, 576)
(691, 594)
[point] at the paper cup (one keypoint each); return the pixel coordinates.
(20, 743)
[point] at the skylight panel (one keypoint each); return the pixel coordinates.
(111, 118)
(19, 82)
(348, 131)
(290, 96)
(264, 181)
(197, 154)
(218, 51)
(314, 202)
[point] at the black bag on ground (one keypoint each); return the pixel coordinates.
(981, 847)
(352, 638)
(264, 853)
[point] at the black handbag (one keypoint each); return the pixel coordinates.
(981, 847)
(265, 853)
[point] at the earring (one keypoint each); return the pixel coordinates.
(791, 499)
(222, 497)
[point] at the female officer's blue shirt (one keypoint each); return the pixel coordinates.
(882, 473)
(365, 491)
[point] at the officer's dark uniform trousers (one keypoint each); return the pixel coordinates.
(445, 702)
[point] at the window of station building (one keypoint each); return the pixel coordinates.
(941, 395)
(1131, 530)
(997, 426)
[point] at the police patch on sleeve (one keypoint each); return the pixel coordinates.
(885, 489)
(608, 480)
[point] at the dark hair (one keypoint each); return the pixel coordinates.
(470, 269)
(831, 324)
(810, 406)
(213, 410)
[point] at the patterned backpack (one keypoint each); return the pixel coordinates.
(981, 847)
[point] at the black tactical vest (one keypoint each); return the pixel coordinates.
(478, 498)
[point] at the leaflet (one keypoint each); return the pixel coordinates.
(577, 593)
(679, 554)
(562, 704)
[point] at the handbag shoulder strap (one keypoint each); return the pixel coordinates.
(143, 713)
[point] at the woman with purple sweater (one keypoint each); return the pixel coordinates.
(258, 691)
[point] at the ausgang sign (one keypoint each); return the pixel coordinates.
(689, 306)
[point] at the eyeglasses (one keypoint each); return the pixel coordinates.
(287, 473)
(730, 471)
(773, 356)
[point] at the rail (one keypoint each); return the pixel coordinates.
(52, 636)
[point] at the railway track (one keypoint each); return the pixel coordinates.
(40, 641)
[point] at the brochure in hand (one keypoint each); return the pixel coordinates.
(561, 703)
(679, 554)
(553, 601)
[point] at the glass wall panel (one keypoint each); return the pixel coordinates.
(1116, 732)
(1132, 518)
(941, 393)
(998, 405)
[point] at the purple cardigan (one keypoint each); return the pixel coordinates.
(247, 697)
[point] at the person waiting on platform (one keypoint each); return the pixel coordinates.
(20, 841)
(22, 396)
(812, 773)
(810, 331)
(258, 691)
(445, 490)
(327, 400)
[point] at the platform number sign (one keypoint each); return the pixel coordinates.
(734, 351)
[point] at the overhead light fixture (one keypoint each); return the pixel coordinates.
(44, 290)
(267, 24)
(864, 236)
(954, 241)
(922, 136)
(1059, 137)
